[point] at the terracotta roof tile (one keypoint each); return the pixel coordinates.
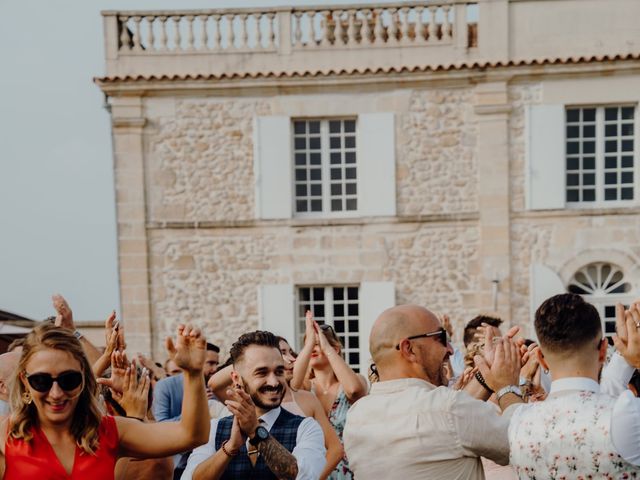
(330, 72)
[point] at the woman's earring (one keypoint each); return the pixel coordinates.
(546, 371)
(27, 398)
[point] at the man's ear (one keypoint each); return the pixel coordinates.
(543, 362)
(236, 378)
(4, 390)
(602, 351)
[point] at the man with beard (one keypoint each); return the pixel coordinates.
(425, 429)
(167, 399)
(260, 440)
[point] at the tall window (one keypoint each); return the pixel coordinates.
(325, 172)
(603, 285)
(336, 306)
(600, 154)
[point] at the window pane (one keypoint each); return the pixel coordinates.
(338, 325)
(314, 127)
(301, 159)
(354, 358)
(352, 204)
(573, 179)
(589, 195)
(627, 193)
(336, 157)
(611, 146)
(627, 162)
(300, 143)
(589, 147)
(573, 195)
(611, 113)
(315, 158)
(334, 126)
(314, 143)
(336, 205)
(350, 142)
(301, 190)
(353, 309)
(626, 177)
(589, 131)
(336, 189)
(588, 114)
(354, 342)
(627, 113)
(573, 163)
(338, 308)
(588, 179)
(589, 163)
(610, 162)
(338, 293)
(334, 142)
(353, 325)
(573, 132)
(336, 174)
(573, 147)
(573, 115)
(315, 174)
(627, 145)
(349, 126)
(351, 173)
(301, 205)
(351, 188)
(301, 174)
(316, 205)
(319, 307)
(611, 178)
(626, 129)
(610, 194)
(352, 293)
(350, 157)
(611, 130)
(316, 189)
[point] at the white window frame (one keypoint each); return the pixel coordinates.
(599, 298)
(600, 202)
(328, 319)
(325, 162)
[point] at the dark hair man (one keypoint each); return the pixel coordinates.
(471, 328)
(260, 440)
(580, 428)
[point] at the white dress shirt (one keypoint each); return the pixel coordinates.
(413, 430)
(309, 450)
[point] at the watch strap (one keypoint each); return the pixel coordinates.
(509, 389)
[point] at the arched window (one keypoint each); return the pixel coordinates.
(603, 285)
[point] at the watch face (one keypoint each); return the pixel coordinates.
(262, 433)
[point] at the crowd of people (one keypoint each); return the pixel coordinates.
(502, 407)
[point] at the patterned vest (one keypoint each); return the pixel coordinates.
(566, 437)
(284, 430)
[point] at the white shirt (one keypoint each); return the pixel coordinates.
(417, 431)
(625, 420)
(309, 450)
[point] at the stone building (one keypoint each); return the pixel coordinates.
(467, 156)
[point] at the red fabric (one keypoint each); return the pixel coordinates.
(36, 460)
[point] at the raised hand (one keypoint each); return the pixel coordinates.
(64, 317)
(111, 339)
(243, 409)
(188, 352)
(505, 369)
(119, 364)
(310, 335)
(135, 394)
(446, 323)
(627, 338)
(325, 346)
(464, 379)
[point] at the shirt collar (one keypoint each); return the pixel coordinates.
(574, 383)
(399, 384)
(270, 418)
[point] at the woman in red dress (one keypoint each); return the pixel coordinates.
(57, 431)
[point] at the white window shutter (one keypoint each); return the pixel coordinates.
(545, 157)
(276, 310)
(272, 167)
(543, 283)
(376, 152)
(375, 297)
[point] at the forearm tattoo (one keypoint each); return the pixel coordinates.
(280, 460)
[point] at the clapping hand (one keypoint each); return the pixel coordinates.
(325, 346)
(135, 393)
(119, 365)
(627, 338)
(188, 352)
(243, 409)
(310, 335)
(505, 367)
(64, 317)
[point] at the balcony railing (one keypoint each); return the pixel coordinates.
(139, 37)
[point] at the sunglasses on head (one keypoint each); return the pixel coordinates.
(443, 337)
(67, 381)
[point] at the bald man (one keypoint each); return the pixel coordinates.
(8, 365)
(411, 424)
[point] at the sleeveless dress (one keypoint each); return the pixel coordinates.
(36, 459)
(338, 418)
(293, 406)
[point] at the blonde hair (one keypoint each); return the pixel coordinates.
(86, 416)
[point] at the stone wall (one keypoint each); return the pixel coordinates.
(211, 276)
(200, 159)
(436, 170)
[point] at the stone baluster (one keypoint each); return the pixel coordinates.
(217, 35)
(125, 39)
(163, 33)
(433, 26)
(420, 34)
(176, 31)
(351, 28)
(367, 33)
(137, 46)
(231, 37)
(297, 29)
(150, 38)
(325, 29)
(446, 24)
(406, 26)
(257, 17)
(312, 29)
(244, 36)
(270, 30)
(339, 32)
(378, 27)
(204, 34)
(392, 31)
(190, 37)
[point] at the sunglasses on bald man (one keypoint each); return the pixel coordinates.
(443, 337)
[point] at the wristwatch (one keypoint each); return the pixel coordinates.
(508, 389)
(261, 435)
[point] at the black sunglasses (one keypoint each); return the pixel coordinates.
(67, 381)
(443, 337)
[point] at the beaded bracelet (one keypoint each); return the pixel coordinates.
(233, 453)
(481, 381)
